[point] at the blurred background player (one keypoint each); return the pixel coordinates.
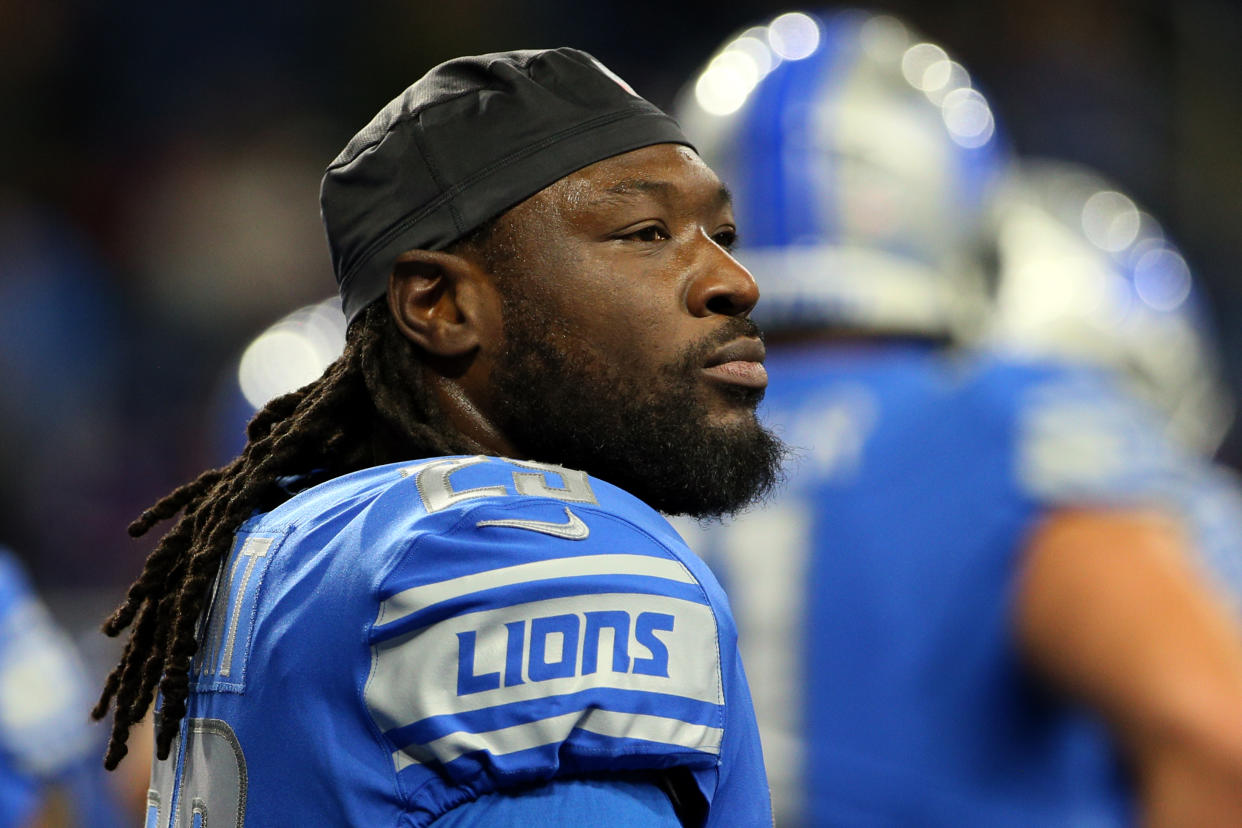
(969, 607)
(1084, 275)
(50, 775)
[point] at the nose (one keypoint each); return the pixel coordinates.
(720, 284)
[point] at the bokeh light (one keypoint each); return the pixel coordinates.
(1110, 220)
(292, 352)
(1162, 279)
(794, 36)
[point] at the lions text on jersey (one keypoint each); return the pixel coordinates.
(402, 641)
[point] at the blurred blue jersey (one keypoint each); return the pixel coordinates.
(874, 597)
(45, 739)
(410, 641)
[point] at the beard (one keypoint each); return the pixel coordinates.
(561, 401)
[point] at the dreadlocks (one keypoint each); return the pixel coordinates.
(368, 408)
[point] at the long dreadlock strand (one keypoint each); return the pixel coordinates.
(110, 684)
(127, 673)
(196, 583)
(156, 572)
(369, 407)
(145, 692)
(173, 502)
(162, 606)
(276, 411)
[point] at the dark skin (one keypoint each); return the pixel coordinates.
(631, 253)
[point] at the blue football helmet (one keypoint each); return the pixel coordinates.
(861, 159)
(1085, 274)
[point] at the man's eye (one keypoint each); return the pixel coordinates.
(650, 233)
(726, 239)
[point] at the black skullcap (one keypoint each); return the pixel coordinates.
(470, 139)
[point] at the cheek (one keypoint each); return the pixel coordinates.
(627, 315)
(643, 332)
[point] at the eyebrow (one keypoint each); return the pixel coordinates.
(631, 187)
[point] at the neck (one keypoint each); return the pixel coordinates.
(465, 417)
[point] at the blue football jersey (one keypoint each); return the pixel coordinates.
(874, 594)
(404, 641)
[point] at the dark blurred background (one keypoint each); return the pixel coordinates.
(158, 206)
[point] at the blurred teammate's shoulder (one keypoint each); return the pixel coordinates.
(900, 373)
(1055, 429)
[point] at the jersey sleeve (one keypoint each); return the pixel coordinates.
(524, 638)
(1080, 440)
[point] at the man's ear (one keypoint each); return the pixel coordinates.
(442, 302)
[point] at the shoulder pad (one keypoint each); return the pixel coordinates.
(1079, 438)
(550, 631)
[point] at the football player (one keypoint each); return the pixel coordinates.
(1084, 275)
(434, 588)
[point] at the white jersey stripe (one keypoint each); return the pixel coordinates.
(418, 598)
(558, 729)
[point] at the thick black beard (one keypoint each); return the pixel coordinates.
(651, 436)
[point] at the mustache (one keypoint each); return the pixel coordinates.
(695, 354)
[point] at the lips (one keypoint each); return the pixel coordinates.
(739, 363)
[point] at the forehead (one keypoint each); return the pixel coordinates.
(664, 171)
